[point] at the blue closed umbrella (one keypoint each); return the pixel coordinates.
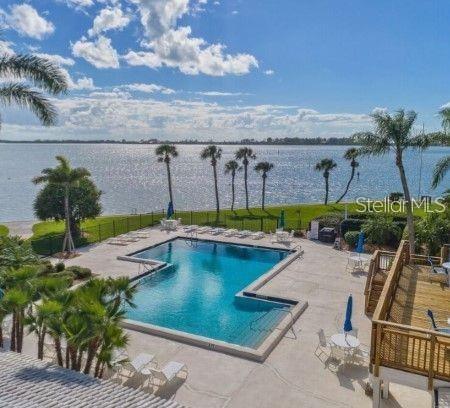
(281, 220)
(360, 245)
(348, 315)
(170, 210)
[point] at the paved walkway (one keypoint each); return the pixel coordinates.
(293, 375)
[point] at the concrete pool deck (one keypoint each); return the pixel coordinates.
(292, 375)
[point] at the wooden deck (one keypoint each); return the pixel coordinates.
(415, 294)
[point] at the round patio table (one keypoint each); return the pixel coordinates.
(345, 341)
(446, 265)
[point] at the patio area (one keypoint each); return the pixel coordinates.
(292, 375)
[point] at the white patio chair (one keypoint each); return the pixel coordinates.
(230, 232)
(217, 231)
(137, 365)
(257, 235)
(190, 228)
(167, 374)
(117, 241)
(243, 234)
(203, 230)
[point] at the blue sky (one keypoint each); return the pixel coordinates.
(231, 69)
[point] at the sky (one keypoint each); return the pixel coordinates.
(230, 69)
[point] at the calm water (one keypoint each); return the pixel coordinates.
(131, 179)
(197, 293)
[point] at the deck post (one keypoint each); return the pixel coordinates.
(385, 389)
(431, 368)
(376, 387)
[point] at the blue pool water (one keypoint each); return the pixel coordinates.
(196, 292)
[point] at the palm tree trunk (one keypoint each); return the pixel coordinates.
(216, 188)
(232, 192)
(67, 356)
(408, 205)
(97, 368)
(41, 338)
(1, 335)
(263, 191)
(93, 346)
(246, 186)
(20, 331)
(58, 351)
(348, 186)
(326, 190)
(13, 332)
(68, 241)
(169, 182)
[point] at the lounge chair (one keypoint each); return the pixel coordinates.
(217, 231)
(257, 235)
(243, 234)
(117, 241)
(434, 326)
(230, 232)
(137, 365)
(140, 234)
(168, 373)
(190, 228)
(203, 230)
(119, 358)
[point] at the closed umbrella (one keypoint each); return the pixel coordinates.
(348, 315)
(360, 245)
(170, 211)
(281, 220)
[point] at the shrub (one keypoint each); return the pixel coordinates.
(350, 224)
(381, 230)
(351, 237)
(329, 220)
(45, 268)
(433, 231)
(79, 272)
(395, 196)
(59, 267)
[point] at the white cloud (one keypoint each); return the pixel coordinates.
(27, 22)
(148, 88)
(234, 12)
(158, 16)
(175, 47)
(79, 3)
(192, 56)
(56, 59)
(269, 72)
(99, 53)
(5, 48)
(218, 93)
(446, 105)
(109, 19)
(83, 83)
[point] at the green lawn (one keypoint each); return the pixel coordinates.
(47, 236)
(3, 230)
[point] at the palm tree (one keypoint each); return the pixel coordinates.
(66, 176)
(263, 168)
(350, 155)
(213, 153)
(393, 133)
(42, 74)
(245, 154)
(165, 153)
(443, 165)
(326, 165)
(231, 167)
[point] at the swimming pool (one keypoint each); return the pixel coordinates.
(199, 292)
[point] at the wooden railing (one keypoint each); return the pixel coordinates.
(380, 262)
(445, 253)
(407, 348)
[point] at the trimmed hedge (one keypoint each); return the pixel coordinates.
(79, 272)
(351, 238)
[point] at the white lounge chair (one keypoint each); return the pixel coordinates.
(230, 232)
(217, 231)
(138, 365)
(190, 228)
(203, 230)
(243, 234)
(168, 373)
(257, 235)
(117, 241)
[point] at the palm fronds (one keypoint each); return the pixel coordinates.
(440, 170)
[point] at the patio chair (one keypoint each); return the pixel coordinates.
(230, 232)
(217, 231)
(138, 365)
(190, 228)
(440, 270)
(257, 235)
(119, 358)
(168, 373)
(434, 325)
(203, 230)
(243, 234)
(117, 241)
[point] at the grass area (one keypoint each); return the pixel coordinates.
(3, 230)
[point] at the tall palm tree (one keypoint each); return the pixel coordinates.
(245, 154)
(393, 133)
(263, 168)
(326, 165)
(64, 175)
(443, 165)
(42, 74)
(213, 153)
(350, 155)
(231, 167)
(165, 153)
